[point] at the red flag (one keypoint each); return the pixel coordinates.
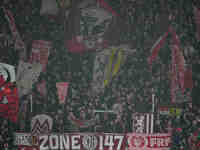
(179, 58)
(62, 88)
(188, 82)
(173, 77)
(156, 47)
(9, 101)
(178, 61)
(105, 5)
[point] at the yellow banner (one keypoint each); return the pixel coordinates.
(113, 66)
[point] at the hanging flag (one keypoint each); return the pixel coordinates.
(178, 61)
(188, 82)
(115, 61)
(98, 71)
(62, 88)
(156, 47)
(40, 52)
(27, 75)
(108, 72)
(8, 100)
(179, 58)
(19, 44)
(174, 82)
(143, 123)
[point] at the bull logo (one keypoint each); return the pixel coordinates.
(41, 124)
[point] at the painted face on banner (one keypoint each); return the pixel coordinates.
(94, 22)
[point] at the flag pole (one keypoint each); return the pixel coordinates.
(31, 101)
(153, 110)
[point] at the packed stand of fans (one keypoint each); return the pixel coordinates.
(129, 92)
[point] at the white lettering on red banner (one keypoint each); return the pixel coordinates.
(149, 141)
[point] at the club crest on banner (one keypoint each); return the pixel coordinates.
(159, 141)
(41, 124)
(90, 142)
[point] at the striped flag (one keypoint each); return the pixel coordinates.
(143, 123)
(19, 44)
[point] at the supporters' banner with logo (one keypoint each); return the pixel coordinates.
(41, 124)
(73, 141)
(62, 88)
(40, 52)
(149, 141)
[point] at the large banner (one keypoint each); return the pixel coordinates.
(71, 141)
(93, 141)
(149, 141)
